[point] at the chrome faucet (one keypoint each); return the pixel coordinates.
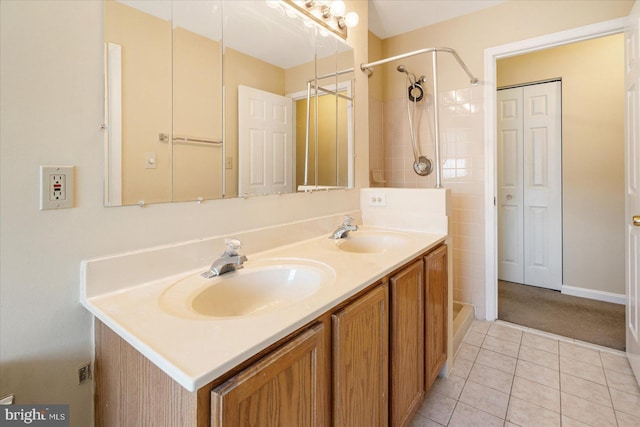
(230, 260)
(343, 231)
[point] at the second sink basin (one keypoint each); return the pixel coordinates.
(371, 241)
(265, 286)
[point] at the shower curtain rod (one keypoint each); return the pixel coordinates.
(368, 68)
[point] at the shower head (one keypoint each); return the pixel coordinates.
(410, 76)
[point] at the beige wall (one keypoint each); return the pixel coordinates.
(592, 153)
(462, 116)
(376, 115)
(51, 110)
(197, 113)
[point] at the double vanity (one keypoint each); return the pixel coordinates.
(311, 330)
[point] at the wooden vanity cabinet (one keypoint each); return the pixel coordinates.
(360, 371)
(288, 387)
(406, 388)
(436, 303)
(367, 362)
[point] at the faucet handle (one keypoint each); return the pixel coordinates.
(347, 220)
(233, 244)
(232, 247)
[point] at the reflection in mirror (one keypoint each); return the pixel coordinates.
(138, 95)
(269, 59)
(164, 102)
(197, 100)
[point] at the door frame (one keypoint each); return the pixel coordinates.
(491, 55)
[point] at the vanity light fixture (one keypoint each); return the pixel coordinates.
(329, 14)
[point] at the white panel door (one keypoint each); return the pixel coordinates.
(530, 185)
(632, 186)
(265, 142)
(510, 187)
(543, 185)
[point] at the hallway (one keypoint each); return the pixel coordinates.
(583, 319)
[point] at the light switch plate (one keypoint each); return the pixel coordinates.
(56, 187)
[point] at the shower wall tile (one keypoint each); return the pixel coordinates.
(462, 151)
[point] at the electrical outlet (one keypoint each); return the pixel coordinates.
(56, 187)
(84, 373)
(378, 199)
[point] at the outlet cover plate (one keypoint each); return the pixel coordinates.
(378, 199)
(56, 187)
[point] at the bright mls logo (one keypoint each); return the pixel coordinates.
(34, 415)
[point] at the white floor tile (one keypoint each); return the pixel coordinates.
(587, 412)
(508, 348)
(474, 338)
(539, 357)
(506, 333)
(491, 377)
(582, 370)
(467, 416)
(497, 361)
(588, 390)
(626, 420)
(625, 402)
(485, 399)
(582, 354)
(520, 377)
(539, 374)
(526, 414)
(540, 342)
(612, 362)
(437, 408)
(468, 352)
(450, 387)
(537, 394)
(620, 381)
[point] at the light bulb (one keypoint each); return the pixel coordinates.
(351, 20)
(337, 8)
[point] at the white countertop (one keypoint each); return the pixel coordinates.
(196, 350)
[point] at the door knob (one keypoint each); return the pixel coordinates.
(509, 197)
(636, 220)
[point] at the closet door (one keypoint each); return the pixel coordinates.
(542, 185)
(530, 185)
(510, 187)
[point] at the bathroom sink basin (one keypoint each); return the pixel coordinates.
(259, 288)
(371, 241)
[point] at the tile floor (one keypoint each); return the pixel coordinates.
(505, 375)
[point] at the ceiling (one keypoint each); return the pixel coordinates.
(388, 18)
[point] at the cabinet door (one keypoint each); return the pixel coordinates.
(360, 361)
(407, 343)
(286, 388)
(436, 293)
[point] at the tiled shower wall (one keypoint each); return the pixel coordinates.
(462, 153)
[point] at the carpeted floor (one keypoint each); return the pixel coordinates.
(583, 319)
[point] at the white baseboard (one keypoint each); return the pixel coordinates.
(594, 294)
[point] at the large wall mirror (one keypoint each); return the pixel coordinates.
(213, 99)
